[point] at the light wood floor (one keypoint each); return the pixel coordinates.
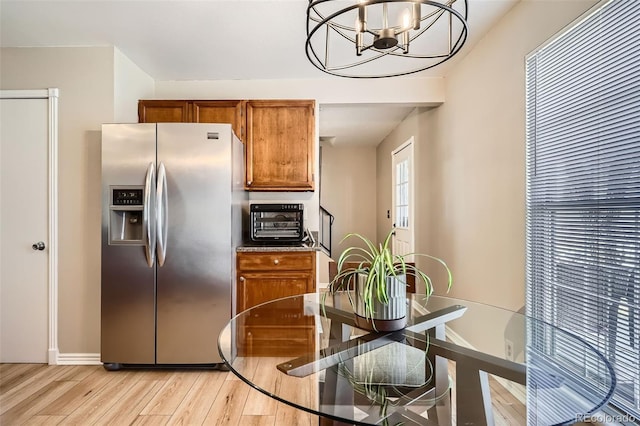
(35, 394)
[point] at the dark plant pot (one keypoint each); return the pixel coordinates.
(386, 317)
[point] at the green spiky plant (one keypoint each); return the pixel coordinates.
(377, 263)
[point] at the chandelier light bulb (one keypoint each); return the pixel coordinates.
(416, 16)
(359, 40)
(406, 20)
(362, 16)
(385, 16)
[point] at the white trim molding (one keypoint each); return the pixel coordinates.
(53, 225)
(52, 96)
(78, 359)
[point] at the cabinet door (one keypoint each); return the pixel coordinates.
(286, 331)
(255, 288)
(220, 112)
(164, 111)
(280, 145)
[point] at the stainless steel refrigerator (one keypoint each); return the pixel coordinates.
(172, 206)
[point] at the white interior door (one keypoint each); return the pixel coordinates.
(24, 221)
(403, 220)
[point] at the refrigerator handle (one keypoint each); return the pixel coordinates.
(147, 223)
(162, 210)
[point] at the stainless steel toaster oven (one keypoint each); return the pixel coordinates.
(277, 223)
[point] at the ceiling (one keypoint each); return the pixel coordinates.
(215, 40)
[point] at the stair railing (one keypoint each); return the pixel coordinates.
(324, 234)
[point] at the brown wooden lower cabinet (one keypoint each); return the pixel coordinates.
(281, 332)
(266, 276)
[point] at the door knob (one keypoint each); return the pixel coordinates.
(38, 246)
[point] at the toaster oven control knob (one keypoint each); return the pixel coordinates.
(276, 261)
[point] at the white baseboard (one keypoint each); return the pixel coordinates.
(79, 359)
(52, 356)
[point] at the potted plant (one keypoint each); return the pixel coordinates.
(379, 281)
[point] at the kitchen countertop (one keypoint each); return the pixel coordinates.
(263, 248)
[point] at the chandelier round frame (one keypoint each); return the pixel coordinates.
(316, 21)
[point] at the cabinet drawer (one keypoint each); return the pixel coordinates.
(276, 261)
(286, 341)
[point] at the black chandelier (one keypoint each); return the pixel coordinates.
(358, 38)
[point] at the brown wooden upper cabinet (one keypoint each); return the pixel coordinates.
(279, 135)
(162, 111)
(170, 111)
(280, 145)
(220, 112)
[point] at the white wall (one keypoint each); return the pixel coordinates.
(349, 192)
(425, 202)
(86, 79)
(471, 158)
(130, 85)
(423, 91)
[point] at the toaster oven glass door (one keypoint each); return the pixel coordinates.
(272, 225)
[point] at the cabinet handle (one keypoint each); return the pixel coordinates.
(249, 182)
(276, 261)
(241, 278)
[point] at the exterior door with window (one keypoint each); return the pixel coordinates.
(402, 180)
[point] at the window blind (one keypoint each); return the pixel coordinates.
(583, 191)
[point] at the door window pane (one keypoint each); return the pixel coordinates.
(402, 194)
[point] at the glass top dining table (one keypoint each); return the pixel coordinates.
(456, 362)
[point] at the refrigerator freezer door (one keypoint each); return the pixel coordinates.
(147, 216)
(128, 290)
(194, 284)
